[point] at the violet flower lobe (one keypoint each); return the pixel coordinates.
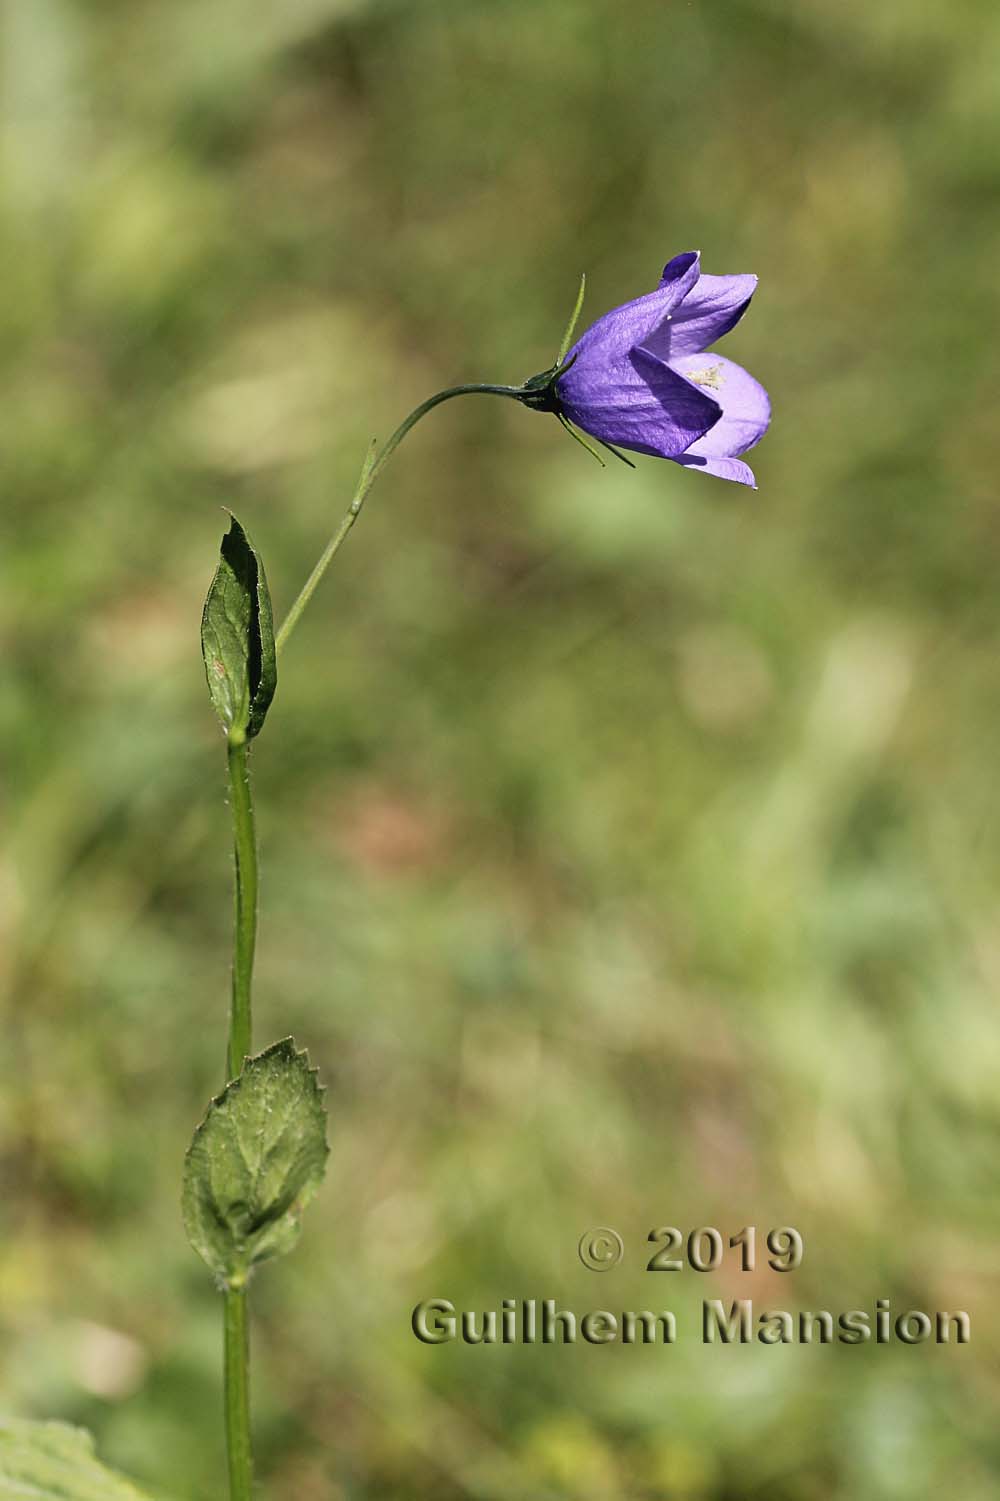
(639, 378)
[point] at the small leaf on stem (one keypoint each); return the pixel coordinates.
(55, 1462)
(256, 1160)
(237, 637)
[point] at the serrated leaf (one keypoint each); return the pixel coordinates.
(237, 637)
(55, 1462)
(256, 1160)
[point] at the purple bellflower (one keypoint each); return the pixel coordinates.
(639, 378)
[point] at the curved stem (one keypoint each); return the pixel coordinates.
(244, 904)
(238, 1395)
(370, 472)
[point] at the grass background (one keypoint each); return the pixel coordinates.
(630, 841)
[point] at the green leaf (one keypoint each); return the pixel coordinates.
(237, 638)
(256, 1160)
(55, 1462)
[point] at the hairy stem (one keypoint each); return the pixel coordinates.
(238, 1395)
(370, 472)
(245, 906)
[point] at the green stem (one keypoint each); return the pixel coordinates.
(245, 905)
(370, 472)
(238, 1395)
(237, 1350)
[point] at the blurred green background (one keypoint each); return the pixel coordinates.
(630, 841)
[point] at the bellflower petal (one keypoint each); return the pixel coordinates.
(746, 410)
(612, 336)
(733, 469)
(639, 403)
(708, 311)
(682, 272)
(639, 379)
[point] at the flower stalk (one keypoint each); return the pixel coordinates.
(375, 462)
(237, 1394)
(244, 903)
(236, 1364)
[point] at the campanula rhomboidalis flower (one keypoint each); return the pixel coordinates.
(640, 377)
